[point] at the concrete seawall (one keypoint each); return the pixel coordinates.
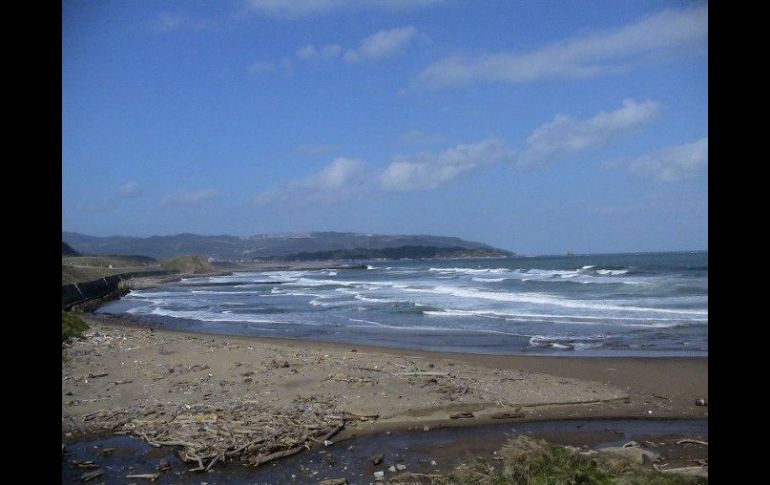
(79, 293)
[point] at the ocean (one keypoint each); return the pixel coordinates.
(647, 304)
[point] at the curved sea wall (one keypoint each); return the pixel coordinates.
(79, 293)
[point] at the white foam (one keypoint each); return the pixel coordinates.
(544, 299)
(470, 270)
(433, 329)
(612, 272)
(206, 316)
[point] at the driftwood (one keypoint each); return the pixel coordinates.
(461, 415)
(262, 459)
(507, 415)
(147, 476)
(250, 432)
(431, 374)
(91, 475)
(695, 442)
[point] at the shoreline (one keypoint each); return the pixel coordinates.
(654, 387)
(219, 399)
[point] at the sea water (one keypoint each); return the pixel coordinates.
(649, 304)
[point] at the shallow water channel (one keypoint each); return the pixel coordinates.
(433, 451)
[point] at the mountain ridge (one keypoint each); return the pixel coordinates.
(266, 246)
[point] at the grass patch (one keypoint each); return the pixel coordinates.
(529, 461)
(71, 326)
(189, 265)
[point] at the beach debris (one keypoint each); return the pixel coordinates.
(461, 415)
(107, 451)
(413, 374)
(507, 415)
(379, 475)
(146, 476)
(206, 435)
(91, 475)
(400, 467)
(334, 481)
(701, 402)
(377, 458)
(94, 376)
(632, 451)
(694, 442)
(392, 468)
(693, 471)
(415, 478)
(164, 466)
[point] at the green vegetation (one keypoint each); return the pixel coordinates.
(76, 269)
(189, 265)
(535, 462)
(71, 326)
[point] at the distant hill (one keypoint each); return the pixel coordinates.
(400, 252)
(267, 246)
(189, 265)
(66, 250)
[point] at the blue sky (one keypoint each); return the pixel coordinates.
(540, 127)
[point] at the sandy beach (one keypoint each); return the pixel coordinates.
(122, 372)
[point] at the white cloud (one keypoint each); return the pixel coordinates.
(341, 179)
(259, 67)
(418, 137)
(673, 163)
(427, 170)
(130, 189)
(305, 8)
(564, 136)
(670, 32)
(328, 51)
(190, 197)
(384, 43)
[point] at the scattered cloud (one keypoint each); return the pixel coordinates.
(311, 52)
(384, 43)
(670, 32)
(190, 197)
(673, 163)
(260, 67)
(306, 8)
(564, 136)
(341, 179)
(315, 149)
(417, 137)
(130, 189)
(428, 170)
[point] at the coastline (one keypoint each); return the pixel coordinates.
(368, 380)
